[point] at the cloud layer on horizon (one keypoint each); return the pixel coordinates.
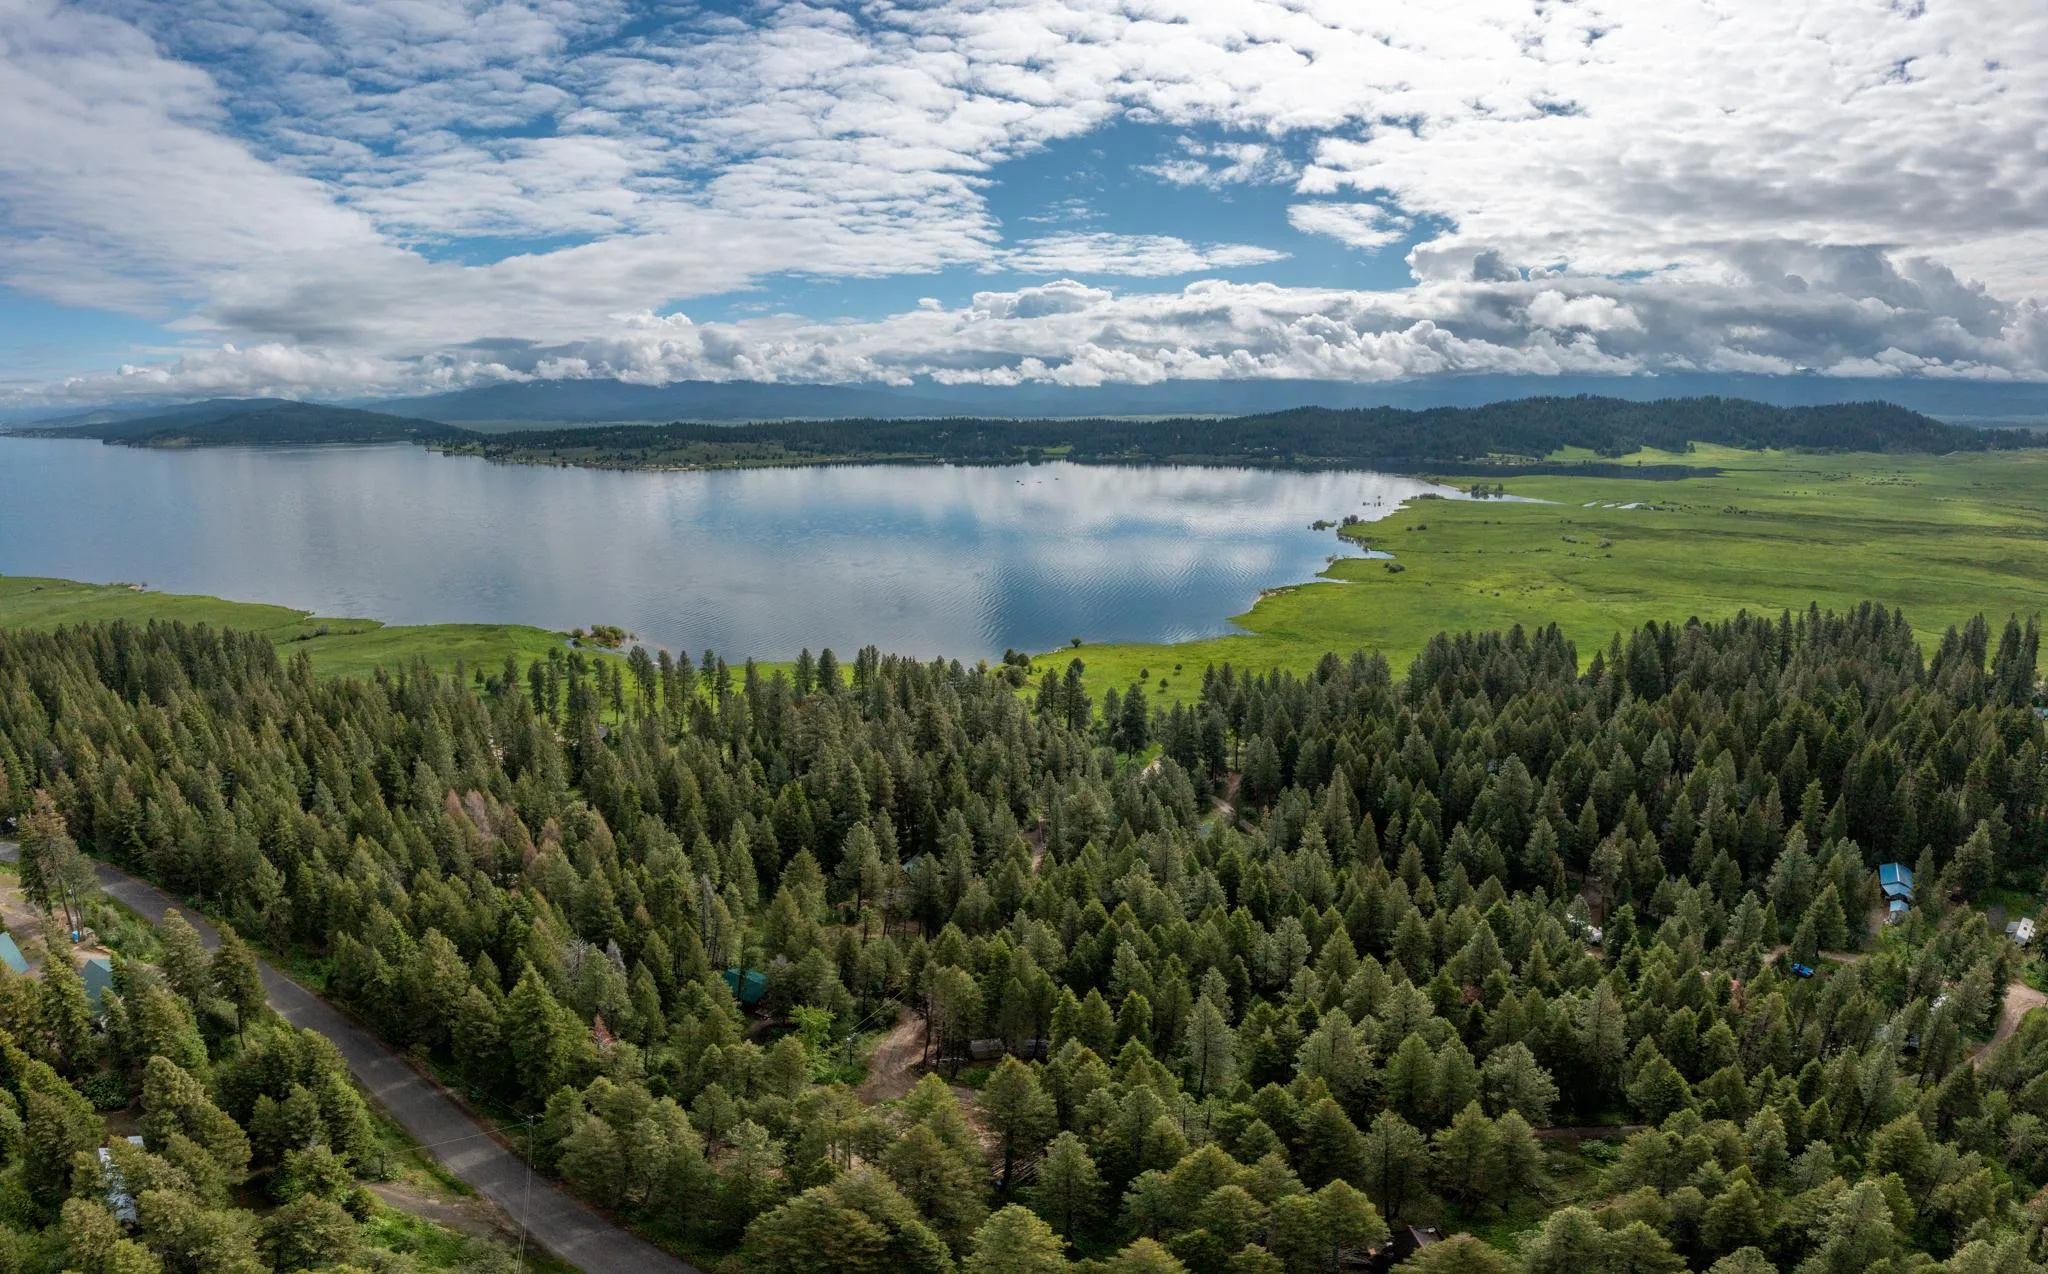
(333, 197)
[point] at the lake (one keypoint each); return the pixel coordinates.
(923, 560)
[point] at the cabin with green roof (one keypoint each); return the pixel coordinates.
(98, 975)
(748, 987)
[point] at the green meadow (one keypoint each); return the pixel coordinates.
(1945, 537)
(337, 647)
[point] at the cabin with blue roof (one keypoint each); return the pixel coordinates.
(10, 954)
(1896, 879)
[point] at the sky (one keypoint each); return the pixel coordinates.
(348, 198)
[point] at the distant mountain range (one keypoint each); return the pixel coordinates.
(1513, 435)
(570, 402)
(667, 427)
(586, 401)
(225, 422)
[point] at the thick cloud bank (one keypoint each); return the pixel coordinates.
(343, 196)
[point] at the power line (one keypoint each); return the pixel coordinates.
(526, 1192)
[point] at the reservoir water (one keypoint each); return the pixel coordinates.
(923, 560)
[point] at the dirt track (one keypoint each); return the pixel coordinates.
(2020, 1000)
(477, 1217)
(1839, 957)
(892, 1070)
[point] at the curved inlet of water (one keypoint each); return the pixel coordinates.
(924, 560)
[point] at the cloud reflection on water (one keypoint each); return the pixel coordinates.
(961, 561)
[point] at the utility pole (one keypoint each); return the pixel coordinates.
(74, 907)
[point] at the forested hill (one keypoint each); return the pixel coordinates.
(1518, 431)
(1383, 436)
(256, 422)
(1440, 914)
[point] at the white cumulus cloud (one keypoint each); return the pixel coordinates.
(330, 196)
(1362, 225)
(1138, 256)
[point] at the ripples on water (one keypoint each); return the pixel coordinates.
(961, 561)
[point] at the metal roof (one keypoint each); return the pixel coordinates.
(748, 988)
(98, 974)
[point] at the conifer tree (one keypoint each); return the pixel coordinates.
(67, 1018)
(1466, 1156)
(1067, 1189)
(185, 963)
(236, 977)
(1210, 1048)
(1394, 1159)
(1019, 1113)
(1015, 1241)
(940, 1182)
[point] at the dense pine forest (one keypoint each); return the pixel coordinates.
(173, 1125)
(1576, 960)
(1388, 437)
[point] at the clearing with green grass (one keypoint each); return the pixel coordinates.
(1945, 537)
(337, 647)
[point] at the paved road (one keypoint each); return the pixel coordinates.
(553, 1219)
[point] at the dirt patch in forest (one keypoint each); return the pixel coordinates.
(893, 1072)
(2020, 1000)
(970, 1109)
(25, 922)
(477, 1217)
(20, 916)
(892, 1069)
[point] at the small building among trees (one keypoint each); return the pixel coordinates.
(747, 987)
(1896, 880)
(98, 976)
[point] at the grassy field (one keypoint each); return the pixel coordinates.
(1945, 537)
(337, 646)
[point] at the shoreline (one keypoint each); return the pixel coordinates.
(1944, 538)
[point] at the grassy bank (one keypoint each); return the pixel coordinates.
(1946, 537)
(337, 647)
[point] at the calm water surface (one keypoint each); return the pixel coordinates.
(919, 560)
